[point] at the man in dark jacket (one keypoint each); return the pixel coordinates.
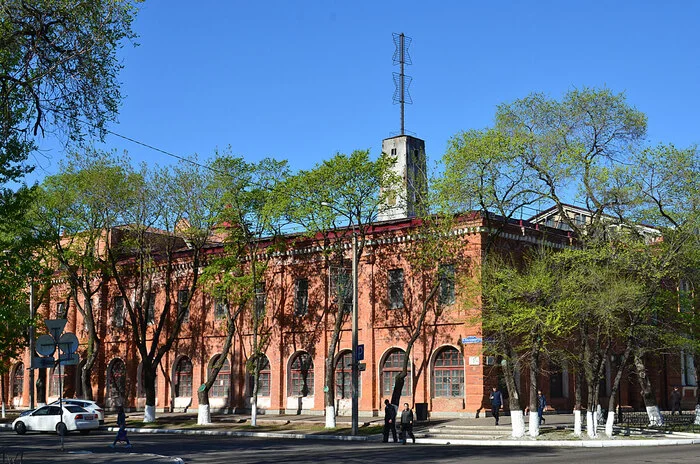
(496, 403)
(541, 404)
(676, 401)
(389, 421)
(407, 424)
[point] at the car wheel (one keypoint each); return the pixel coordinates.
(84, 432)
(61, 428)
(20, 428)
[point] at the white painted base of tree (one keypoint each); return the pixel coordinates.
(3, 409)
(253, 412)
(609, 423)
(655, 417)
(697, 414)
(517, 421)
(534, 424)
(38, 405)
(330, 417)
(204, 414)
(149, 414)
(577, 422)
(591, 426)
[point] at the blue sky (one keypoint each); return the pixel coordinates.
(302, 80)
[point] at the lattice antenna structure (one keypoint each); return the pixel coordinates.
(401, 81)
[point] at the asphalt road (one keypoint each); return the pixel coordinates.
(40, 448)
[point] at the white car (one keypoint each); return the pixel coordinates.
(90, 405)
(48, 419)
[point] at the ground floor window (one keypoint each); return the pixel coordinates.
(448, 374)
(222, 385)
(392, 366)
(116, 379)
(18, 380)
(301, 375)
(183, 378)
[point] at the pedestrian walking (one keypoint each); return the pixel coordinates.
(676, 401)
(496, 403)
(389, 421)
(541, 404)
(121, 433)
(407, 424)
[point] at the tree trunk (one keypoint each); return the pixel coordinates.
(86, 370)
(2, 393)
(204, 410)
(516, 413)
(655, 417)
(578, 402)
(613, 391)
(329, 395)
(696, 355)
(534, 369)
(149, 384)
(41, 388)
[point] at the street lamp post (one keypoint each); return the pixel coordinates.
(31, 343)
(355, 371)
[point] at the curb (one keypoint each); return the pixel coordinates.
(223, 433)
(562, 443)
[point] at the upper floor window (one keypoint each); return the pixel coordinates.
(260, 299)
(183, 305)
(302, 297)
(220, 309)
(118, 311)
(447, 284)
(61, 310)
(150, 307)
(395, 288)
(341, 285)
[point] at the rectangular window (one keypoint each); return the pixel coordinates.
(302, 297)
(118, 311)
(220, 309)
(150, 307)
(183, 306)
(447, 284)
(395, 288)
(342, 286)
(260, 299)
(61, 310)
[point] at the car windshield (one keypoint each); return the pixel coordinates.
(73, 408)
(26, 413)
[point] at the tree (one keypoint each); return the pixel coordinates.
(71, 219)
(59, 67)
(249, 223)
(339, 200)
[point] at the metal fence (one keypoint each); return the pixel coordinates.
(640, 421)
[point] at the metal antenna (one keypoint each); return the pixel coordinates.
(402, 81)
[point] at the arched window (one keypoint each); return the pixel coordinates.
(301, 375)
(393, 363)
(116, 379)
(183, 377)
(141, 385)
(18, 380)
(448, 374)
(222, 385)
(343, 376)
(56, 381)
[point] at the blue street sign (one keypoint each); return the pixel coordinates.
(360, 353)
(471, 339)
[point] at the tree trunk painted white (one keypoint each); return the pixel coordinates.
(591, 426)
(609, 424)
(3, 409)
(149, 414)
(577, 422)
(204, 414)
(655, 417)
(517, 421)
(697, 414)
(253, 412)
(534, 424)
(330, 417)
